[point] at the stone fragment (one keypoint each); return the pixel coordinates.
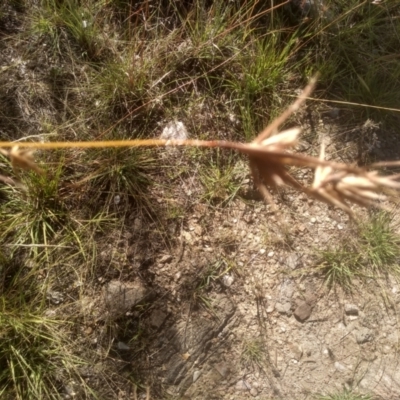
(157, 318)
(364, 335)
(340, 367)
(122, 346)
(253, 392)
(55, 297)
(284, 308)
(137, 224)
(303, 311)
(223, 369)
(242, 385)
(196, 375)
(297, 351)
(120, 297)
(174, 130)
(350, 309)
(227, 280)
(286, 290)
(292, 261)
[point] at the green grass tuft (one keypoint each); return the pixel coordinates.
(374, 249)
(345, 395)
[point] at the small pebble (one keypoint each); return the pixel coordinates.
(122, 346)
(350, 309)
(227, 280)
(242, 385)
(303, 311)
(196, 375)
(364, 335)
(340, 367)
(254, 392)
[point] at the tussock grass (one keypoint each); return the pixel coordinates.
(372, 250)
(253, 352)
(346, 395)
(380, 243)
(35, 353)
(221, 179)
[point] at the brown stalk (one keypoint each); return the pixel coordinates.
(269, 157)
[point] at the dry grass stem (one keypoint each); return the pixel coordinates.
(269, 156)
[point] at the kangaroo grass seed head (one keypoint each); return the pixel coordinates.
(21, 159)
(359, 186)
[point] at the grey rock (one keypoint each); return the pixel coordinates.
(175, 130)
(137, 224)
(364, 335)
(293, 261)
(227, 280)
(70, 390)
(340, 367)
(287, 290)
(194, 337)
(157, 318)
(242, 385)
(196, 375)
(284, 308)
(55, 297)
(120, 297)
(351, 309)
(297, 351)
(254, 392)
(303, 311)
(333, 112)
(223, 369)
(122, 346)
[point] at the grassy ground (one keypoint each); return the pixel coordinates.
(116, 69)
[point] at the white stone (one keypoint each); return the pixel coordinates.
(196, 375)
(174, 130)
(227, 280)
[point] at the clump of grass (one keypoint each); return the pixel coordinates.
(220, 180)
(30, 354)
(380, 244)
(374, 249)
(34, 211)
(207, 279)
(345, 395)
(120, 178)
(252, 352)
(53, 18)
(340, 265)
(35, 357)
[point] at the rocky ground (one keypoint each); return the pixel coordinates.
(237, 307)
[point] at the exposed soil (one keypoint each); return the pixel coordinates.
(234, 311)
